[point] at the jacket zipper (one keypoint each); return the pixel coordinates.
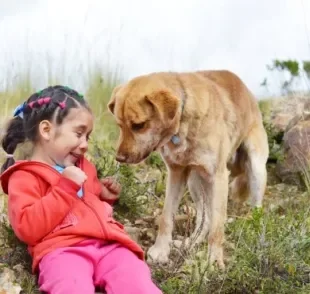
(92, 209)
(98, 218)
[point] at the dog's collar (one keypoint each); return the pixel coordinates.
(175, 139)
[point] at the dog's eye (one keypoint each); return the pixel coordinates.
(137, 127)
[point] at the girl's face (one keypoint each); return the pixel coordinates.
(65, 144)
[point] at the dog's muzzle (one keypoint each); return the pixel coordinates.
(121, 158)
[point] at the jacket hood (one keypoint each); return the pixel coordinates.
(40, 169)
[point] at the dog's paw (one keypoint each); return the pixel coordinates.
(215, 256)
(158, 254)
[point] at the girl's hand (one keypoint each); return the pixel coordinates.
(75, 174)
(110, 189)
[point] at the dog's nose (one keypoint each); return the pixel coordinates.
(121, 157)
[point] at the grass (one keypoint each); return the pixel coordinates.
(266, 252)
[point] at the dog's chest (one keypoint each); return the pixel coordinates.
(179, 155)
(186, 156)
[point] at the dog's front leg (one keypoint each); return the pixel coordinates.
(218, 193)
(176, 182)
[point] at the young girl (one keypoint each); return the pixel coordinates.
(58, 206)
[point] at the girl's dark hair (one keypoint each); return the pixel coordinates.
(52, 103)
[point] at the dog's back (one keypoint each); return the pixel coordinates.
(236, 91)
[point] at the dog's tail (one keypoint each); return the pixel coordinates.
(239, 186)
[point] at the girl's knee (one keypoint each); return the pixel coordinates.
(122, 272)
(65, 285)
(135, 279)
(128, 285)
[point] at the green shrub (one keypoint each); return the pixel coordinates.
(274, 141)
(136, 195)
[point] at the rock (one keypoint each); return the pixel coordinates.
(148, 219)
(280, 121)
(133, 232)
(126, 222)
(148, 234)
(141, 222)
(296, 149)
(296, 119)
(18, 268)
(286, 108)
(7, 281)
(151, 234)
(290, 104)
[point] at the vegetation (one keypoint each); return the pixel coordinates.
(266, 251)
(292, 71)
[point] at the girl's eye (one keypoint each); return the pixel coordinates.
(79, 135)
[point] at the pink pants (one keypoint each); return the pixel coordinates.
(79, 269)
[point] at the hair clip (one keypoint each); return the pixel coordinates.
(31, 104)
(67, 88)
(80, 96)
(40, 102)
(19, 110)
(62, 104)
(43, 101)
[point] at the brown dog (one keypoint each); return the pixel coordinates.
(206, 125)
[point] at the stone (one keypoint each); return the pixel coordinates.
(7, 281)
(296, 150)
(133, 232)
(280, 121)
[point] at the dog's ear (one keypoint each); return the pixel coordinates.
(165, 103)
(111, 103)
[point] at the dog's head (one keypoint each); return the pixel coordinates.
(147, 114)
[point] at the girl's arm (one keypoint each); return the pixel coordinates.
(33, 215)
(102, 186)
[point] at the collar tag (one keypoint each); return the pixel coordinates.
(175, 139)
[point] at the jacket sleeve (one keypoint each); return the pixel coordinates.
(33, 215)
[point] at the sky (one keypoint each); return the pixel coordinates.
(66, 39)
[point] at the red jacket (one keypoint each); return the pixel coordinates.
(46, 213)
